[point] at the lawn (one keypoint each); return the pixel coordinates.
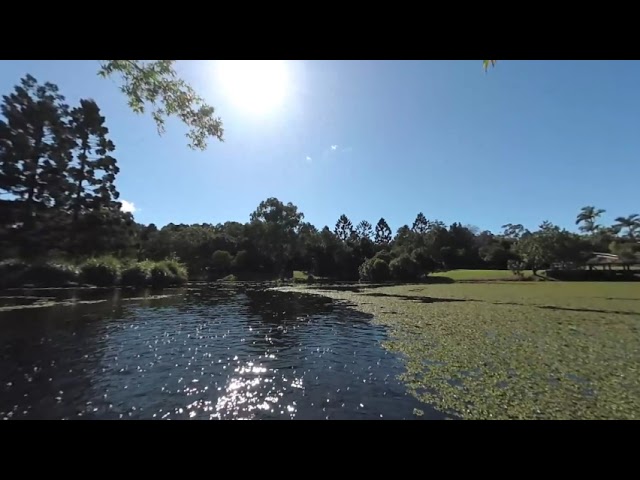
(529, 350)
(472, 275)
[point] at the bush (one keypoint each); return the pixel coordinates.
(11, 273)
(179, 273)
(374, 270)
(50, 274)
(102, 272)
(424, 261)
(229, 278)
(221, 261)
(383, 255)
(137, 275)
(240, 262)
(404, 268)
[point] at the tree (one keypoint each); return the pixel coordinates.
(631, 223)
(587, 219)
(344, 228)
(513, 231)
(488, 63)
(277, 224)
(33, 144)
(421, 224)
(374, 270)
(364, 230)
(383, 233)
(221, 262)
(404, 268)
(92, 149)
(156, 84)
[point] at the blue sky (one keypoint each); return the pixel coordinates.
(526, 142)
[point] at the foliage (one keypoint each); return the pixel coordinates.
(383, 233)
(16, 273)
(156, 84)
(101, 272)
(50, 274)
(375, 270)
(631, 223)
(241, 261)
(55, 164)
(488, 63)
(404, 268)
(364, 230)
(587, 219)
(221, 261)
(137, 275)
(516, 266)
(344, 228)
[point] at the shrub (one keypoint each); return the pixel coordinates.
(229, 278)
(178, 271)
(384, 255)
(423, 260)
(241, 261)
(374, 270)
(137, 275)
(50, 274)
(160, 275)
(11, 273)
(221, 261)
(516, 267)
(101, 272)
(404, 268)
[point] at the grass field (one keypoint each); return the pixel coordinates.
(471, 275)
(552, 350)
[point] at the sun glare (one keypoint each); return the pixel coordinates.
(256, 86)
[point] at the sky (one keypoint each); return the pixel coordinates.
(525, 142)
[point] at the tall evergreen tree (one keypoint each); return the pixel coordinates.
(364, 230)
(383, 233)
(421, 224)
(34, 145)
(344, 228)
(89, 191)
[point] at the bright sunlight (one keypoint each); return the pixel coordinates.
(255, 86)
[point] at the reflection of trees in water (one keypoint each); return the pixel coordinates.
(294, 320)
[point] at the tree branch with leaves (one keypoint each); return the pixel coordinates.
(156, 84)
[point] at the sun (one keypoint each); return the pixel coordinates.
(256, 86)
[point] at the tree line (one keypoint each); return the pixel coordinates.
(58, 179)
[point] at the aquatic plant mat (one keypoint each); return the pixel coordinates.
(543, 350)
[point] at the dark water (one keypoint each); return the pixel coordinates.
(204, 352)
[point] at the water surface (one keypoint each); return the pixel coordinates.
(204, 352)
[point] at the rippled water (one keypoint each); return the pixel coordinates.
(205, 352)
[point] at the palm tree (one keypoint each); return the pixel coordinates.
(588, 216)
(631, 223)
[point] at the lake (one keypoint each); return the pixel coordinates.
(207, 351)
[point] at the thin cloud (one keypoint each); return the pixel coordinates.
(128, 207)
(309, 159)
(334, 147)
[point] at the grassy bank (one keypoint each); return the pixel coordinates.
(101, 272)
(529, 350)
(480, 275)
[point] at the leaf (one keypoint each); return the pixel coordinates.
(487, 63)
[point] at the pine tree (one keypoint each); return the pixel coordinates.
(364, 230)
(91, 157)
(344, 228)
(421, 224)
(383, 233)
(34, 145)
